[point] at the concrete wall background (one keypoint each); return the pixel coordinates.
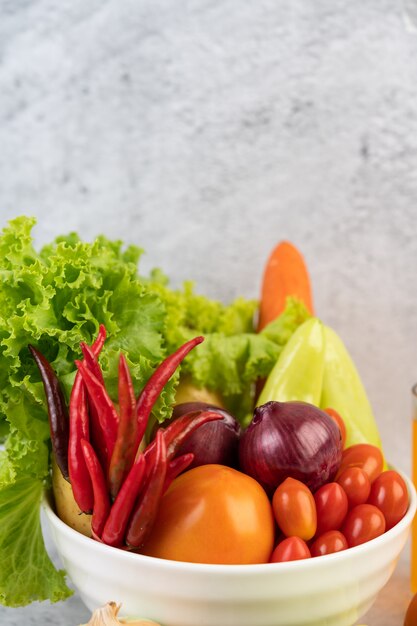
(207, 131)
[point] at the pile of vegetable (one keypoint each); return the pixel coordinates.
(166, 415)
(323, 497)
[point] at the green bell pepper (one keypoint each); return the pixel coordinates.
(343, 391)
(298, 373)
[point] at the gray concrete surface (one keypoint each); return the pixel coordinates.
(206, 131)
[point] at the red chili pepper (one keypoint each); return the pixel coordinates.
(176, 467)
(145, 511)
(91, 361)
(157, 382)
(178, 431)
(101, 498)
(57, 411)
(79, 429)
(101, 401)
(121, 510)
(97, 435)
(124, 449)
(99, 342)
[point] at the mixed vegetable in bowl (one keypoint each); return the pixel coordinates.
(290, 472)
(123, 460)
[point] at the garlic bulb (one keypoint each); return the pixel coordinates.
(107, 616)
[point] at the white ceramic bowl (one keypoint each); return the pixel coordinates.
(332, 590)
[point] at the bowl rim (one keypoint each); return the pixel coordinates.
(234, 569)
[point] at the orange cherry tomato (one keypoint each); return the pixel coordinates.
(213, 514)
(363, 455)
(411, 614)
(331, 506)
(356, 484)
(290, 549)
(363, 523)
(295, 509)
(339, 421)
(389, 494)
(329, 542)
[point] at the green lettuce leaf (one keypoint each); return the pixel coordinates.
(233, 356)
(26, 572)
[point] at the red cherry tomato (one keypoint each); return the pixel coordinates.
(332, 506)
(339, 421)
(363, 523)
(356, 485)
(389, 494)
(332, 541)
(363, 455)
(290, 549)
(213, 514)
(294, 509)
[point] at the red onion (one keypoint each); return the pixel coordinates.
(214, 442)
(290, 439)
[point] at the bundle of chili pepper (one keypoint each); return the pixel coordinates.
(98, 448)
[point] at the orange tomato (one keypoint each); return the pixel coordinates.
(295, 509)
(411, 615)
(213, 514)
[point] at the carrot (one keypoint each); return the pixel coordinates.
(285, 275)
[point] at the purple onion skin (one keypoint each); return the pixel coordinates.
(214, 442)
(290, 439)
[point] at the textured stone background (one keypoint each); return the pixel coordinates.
(206, 131)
